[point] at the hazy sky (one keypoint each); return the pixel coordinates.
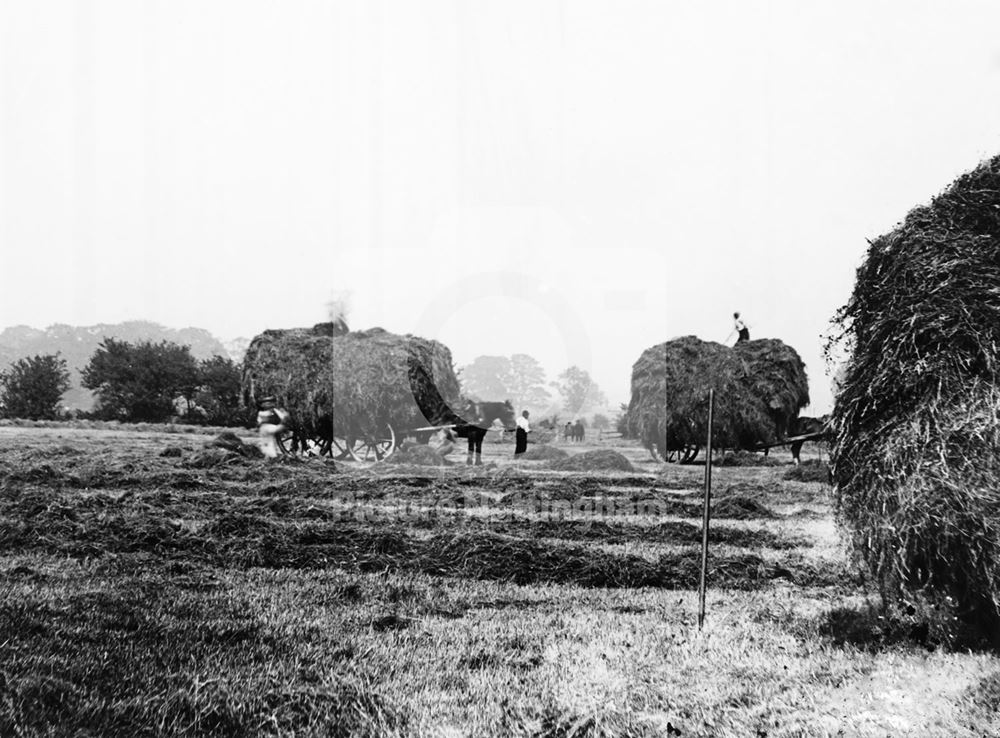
(574, 180)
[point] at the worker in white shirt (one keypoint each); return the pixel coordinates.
(740, 328)
(521, 434)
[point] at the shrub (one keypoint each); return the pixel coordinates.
(32, 387)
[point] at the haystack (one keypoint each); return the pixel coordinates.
(353, 383)
(599, 460)
(543, 452)
(917, 447)
(760, 386)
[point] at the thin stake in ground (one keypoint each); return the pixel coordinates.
(705, 515)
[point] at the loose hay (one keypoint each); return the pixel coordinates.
(233, 443)
(760, 386)
(543, 452)
(746, 458)
(917, 448)
(418, 455)
(809, 471)
(600, 460)
(738, 507)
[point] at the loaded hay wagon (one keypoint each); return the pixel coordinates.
(350, 394)
(760, 385)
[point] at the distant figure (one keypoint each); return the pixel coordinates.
(568, 432)
(272, 421)
(578, 431)
(521, 434)
(740, 328)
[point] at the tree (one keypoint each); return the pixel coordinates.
(621, 420)
(578, 390)
(219, 387)
(601, 422)
(488, 378)
(139, 382)
(527, 382)
(32, 387)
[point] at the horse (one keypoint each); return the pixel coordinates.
(476, 420)
(805, 426)
(471, 421)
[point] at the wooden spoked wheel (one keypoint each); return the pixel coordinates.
(291, 445)
(373, 449)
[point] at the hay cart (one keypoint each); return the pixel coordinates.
(349, 392)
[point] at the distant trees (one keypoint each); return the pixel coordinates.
(579, 390)
(519, 378)
(487, 378)
(527, 382)
(601, 422)
(218, 394)
(139, 382)
(32, 387)
(142, 382)
(621, 420)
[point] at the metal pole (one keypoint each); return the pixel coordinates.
(705, 514)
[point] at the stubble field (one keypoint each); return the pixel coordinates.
(196, 593)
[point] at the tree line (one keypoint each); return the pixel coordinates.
(134, 382)
(521, 379)
(155, 382)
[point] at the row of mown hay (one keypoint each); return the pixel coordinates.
(917, 448)
(760, 386)
(352, 382)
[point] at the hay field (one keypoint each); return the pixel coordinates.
(149, 594)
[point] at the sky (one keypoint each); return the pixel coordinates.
(574, 180)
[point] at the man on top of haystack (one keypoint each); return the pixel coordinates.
(272, 421)
(740, 328)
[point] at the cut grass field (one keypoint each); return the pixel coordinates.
(141, 595)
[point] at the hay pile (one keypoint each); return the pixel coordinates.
(760, 386)
(543, 452)
(813, 470)
(600, 460)
(746, 459)
(418, 455)
(353, 382)
(917, 446)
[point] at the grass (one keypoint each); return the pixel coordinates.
(142, 597)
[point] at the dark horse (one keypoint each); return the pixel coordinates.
(808, 427)
(477, 420)
(473, 419)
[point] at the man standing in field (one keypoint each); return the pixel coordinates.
(521, 434)
(272, 421)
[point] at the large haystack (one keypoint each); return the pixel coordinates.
(358, 381)
(917, 448)
(760, 386)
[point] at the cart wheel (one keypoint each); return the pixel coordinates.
(373, 449)
(338, 448)
(285, 443)
(290, 445)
